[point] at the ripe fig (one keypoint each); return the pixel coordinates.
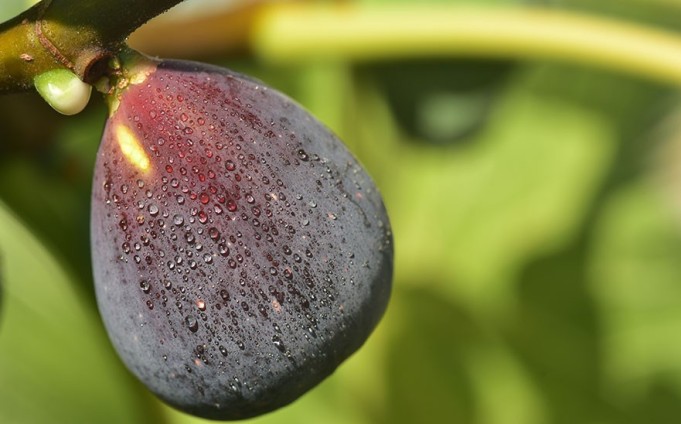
(240, 252)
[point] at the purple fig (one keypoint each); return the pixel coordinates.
(240, 252)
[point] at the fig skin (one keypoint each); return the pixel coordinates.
(240, 252)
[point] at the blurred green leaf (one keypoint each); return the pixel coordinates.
(554, 330)
(49, 185)
(11, 8)
(438, 99)
(56, 364)
(439, 388)
(663, 13)
(636, 273)
(473, 215)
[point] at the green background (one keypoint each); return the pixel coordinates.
(536, 210)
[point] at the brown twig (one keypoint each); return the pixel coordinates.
(64, 33)
(45, 42)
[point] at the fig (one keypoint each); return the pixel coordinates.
(240, 252)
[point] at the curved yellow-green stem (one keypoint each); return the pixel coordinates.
(291, 33)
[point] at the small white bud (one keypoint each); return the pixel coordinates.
(63, 90)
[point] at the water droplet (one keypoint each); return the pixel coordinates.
(278, 343)
(208, 258)
(224, 294)
(153, 210)
(140, 183)
(178, 220)
(223, 351)
(192, 323)
(144, 285)
(204, 198)
(229, 165)
(213, 233)
(150, 304)
(231, 205)
(201, 305)
(124, 188)
(302, 154)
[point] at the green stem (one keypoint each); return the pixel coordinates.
(71, 34)
(294, 33)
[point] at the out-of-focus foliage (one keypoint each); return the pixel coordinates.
(55, 362)
(537, 228)
(9, 8)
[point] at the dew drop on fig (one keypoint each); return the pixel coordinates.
(302, 154)
(224, 294)
(201, 305)
(192, 324)
(278, 343)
